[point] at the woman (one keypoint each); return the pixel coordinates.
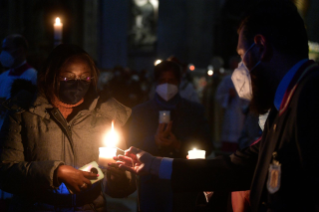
(46, 138)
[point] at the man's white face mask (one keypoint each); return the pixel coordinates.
(242, 81)
(167, 91)
(241, 78)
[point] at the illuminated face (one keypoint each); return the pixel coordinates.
(75, 68)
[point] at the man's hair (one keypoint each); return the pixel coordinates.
(19, 41)
(167, 66)
(48, 82)
(280, 22)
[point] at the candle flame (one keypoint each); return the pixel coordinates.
(112, 137)
(57, 21)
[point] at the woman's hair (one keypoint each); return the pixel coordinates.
(48, 83)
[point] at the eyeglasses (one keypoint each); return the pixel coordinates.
(70, 76)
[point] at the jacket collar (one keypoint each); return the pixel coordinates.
(41, 105)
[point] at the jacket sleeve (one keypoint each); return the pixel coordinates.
(227, 173)
(306, 129)
(18, 175)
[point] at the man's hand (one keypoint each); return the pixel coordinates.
(164, 136)
(139, 162)
(75, 180)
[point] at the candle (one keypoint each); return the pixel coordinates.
(106, 156)
(196, 154)
(164, 116)
(107, 153)
(58, 26)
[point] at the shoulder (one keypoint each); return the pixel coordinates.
(4, 74)
(144, 106)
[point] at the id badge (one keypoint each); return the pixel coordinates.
(274, 176)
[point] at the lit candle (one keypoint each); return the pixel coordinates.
(58, 26)
(196, 154)
(109, 151)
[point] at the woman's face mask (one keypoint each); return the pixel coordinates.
(71, 92)
(167, 91)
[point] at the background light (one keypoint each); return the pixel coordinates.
(191, 67)
(157, 62)
(210, 72)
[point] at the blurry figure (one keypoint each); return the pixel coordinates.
(125, 86)
(187, 128)
(186, 87)
(251, 130)
(13, 56)
(234, 118)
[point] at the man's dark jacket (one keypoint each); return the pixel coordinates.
(293, 135)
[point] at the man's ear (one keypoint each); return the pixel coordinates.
(265, 50)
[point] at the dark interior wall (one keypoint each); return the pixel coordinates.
(34, 19)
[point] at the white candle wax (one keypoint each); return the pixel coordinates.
(196, 154)
(106, 156)
(58, 26)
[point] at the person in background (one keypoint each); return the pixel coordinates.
(186, 87)
(186, 129)
(13, 57)
(281, 170)
(234, 117)
(48, 135)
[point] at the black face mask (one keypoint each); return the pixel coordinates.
(73, 91)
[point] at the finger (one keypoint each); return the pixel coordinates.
(161, 127)
(169, 127)
(115, 165)
(172, 135)
(132, 150)
(87, 182)
(127, 160)
(89, 175)
(127, 168)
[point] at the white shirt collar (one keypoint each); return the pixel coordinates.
(283, 85)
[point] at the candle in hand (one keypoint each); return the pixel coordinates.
(58, 26)
(107, 153)
(196, 154)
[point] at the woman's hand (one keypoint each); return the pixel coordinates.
(75, 180)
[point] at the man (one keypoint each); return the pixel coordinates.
(186, 129)
(13, 57)
(282, 169)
